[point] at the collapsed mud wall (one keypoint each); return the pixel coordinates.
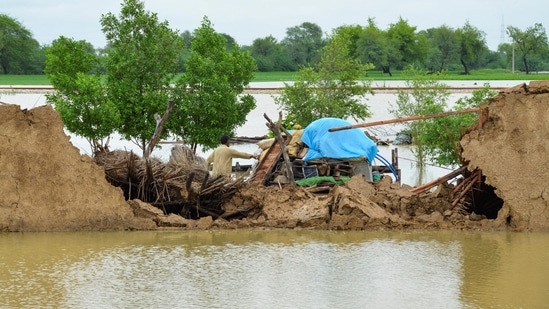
(46, 185)
(512, 149)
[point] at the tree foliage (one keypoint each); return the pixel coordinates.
(269, 55)
(373, 47)
(329, 89)
(142, 61)
(211, 89)
(20, 53)
(472, 43)
(393, 48)
(427, 95)
(531, 41)
(408, 47)
(444, 49)
(436, 139)
(303, 43)
(442, 135)
(80, 97)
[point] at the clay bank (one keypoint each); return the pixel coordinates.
(47, 185)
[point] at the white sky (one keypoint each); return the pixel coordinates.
(246, 20)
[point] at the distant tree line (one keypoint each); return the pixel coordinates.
(392, 49)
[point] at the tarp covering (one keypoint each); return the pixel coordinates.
(343, 144)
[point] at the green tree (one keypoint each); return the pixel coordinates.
(20, 53)
(530, 42)
(330, 89)
(436, 140)
(353, 33)
(473, 47)
(427, 95)
(407, 46)
(270, 55)
(373, 47)
(444, 48)
(442, 135)
(142, 61)
(303, 43)
(80, 97)
(211, 90)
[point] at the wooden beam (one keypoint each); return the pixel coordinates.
(429, 185)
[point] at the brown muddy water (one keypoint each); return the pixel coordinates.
(274, 269)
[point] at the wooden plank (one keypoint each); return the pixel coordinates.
(267, 164)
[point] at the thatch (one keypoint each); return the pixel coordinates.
(183, 161)
(116, 164)
(181, 186)
(183, 156)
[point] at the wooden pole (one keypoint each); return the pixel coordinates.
(404, 119)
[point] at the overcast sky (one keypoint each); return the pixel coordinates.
(246, 20)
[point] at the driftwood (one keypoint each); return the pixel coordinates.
(404, 119)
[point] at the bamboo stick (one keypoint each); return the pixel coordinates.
(404, 119)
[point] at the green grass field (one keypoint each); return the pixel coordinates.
(27, 80)
(398, 75)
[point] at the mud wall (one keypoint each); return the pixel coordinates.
(512, 149)
(46, 185)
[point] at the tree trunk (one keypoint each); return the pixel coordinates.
(387, 69)
(527, 70)
(465, 67)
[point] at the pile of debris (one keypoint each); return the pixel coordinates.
(182, 186)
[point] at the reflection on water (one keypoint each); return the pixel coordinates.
(274, 269)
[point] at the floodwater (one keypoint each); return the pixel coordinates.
(274, 269)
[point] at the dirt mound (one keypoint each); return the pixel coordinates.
(46, 185)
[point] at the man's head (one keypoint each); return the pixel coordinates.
(224, 139)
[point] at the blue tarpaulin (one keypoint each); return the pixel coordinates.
(343, 144)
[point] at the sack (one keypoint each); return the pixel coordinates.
(265, 144)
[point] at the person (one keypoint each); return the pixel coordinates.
(222, 158)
